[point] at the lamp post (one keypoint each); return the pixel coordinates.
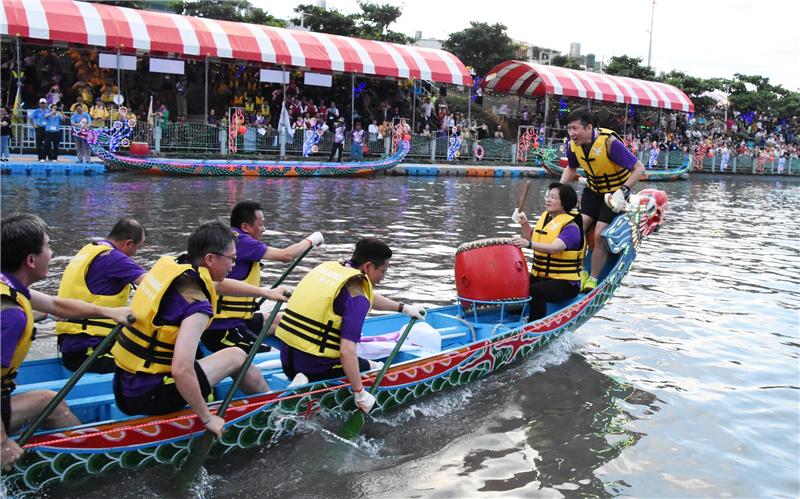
(650, 47)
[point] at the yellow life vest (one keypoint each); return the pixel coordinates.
(73, 285)
(24, 343)
(309, 323)
(239, 307)
(565, 264)
(602, 174)
(148, 347)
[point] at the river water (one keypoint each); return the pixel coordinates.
(687, 384)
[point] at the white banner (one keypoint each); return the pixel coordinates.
(127, 62)
(318, 79)
(274, 76)
(166, 66)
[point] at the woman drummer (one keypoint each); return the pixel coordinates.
(558, 246)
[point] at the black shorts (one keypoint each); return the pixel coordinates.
(593, 205)
(163, 399)
(242, 337)
(74, 360)
(334, 372)
(5, 408)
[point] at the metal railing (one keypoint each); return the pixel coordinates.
(200, 140)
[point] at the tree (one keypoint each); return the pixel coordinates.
(329, 21)
(378, 17)
(630, 67)
(481, 46)
(231, 10)
(565, 61)
(694, 88)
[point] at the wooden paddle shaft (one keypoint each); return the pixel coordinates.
(62, 393)
(524, 196)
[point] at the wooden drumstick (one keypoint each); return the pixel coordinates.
(524, 196)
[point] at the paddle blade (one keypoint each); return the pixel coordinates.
(353, 426)
(198, 452)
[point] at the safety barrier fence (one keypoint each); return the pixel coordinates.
(201, 140)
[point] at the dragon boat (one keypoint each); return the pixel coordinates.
(485, 330)
(666, 175)
(105, 144)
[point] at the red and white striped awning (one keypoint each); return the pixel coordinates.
(525, 78)
(160, 32)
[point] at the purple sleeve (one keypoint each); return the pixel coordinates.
(620, 155)
(250, 249)
(354, 310)
(12, 325)
(572, 161)
(109, 273)
(571, 235)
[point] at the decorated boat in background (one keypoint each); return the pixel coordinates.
(666, 175)
(462, 343)
(105, 144)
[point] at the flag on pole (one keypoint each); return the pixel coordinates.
(150, 113)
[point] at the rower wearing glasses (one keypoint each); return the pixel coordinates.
(157, 372)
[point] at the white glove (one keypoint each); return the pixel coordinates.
(364, 400)
(415, 312)
(518, 217)
(375, 364)
(616, 201)
(582, 180)
(316, 239)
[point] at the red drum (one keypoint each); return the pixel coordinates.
(140, 149)
(563, 162)
(491, 270)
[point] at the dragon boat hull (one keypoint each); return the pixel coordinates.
(255, 168)
(473, 345)
(668, 175)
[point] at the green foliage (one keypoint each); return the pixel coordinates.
(630, 67)
(329, 21)
(481, 46)
(371, 24)
(565, 61)
(229, 10)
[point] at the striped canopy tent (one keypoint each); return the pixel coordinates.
(131, 30)
(537, 80)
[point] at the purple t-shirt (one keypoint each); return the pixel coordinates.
(107, 275)
(248, 250)
(571, 235)
(12, 321)
(617, 153)
(354, 310)
(183, 298)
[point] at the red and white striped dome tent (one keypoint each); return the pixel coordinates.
(134, 30)
(537, 80)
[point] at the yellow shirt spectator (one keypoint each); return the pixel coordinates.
(99, 114)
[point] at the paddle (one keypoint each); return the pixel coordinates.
(352, 427)
(202, 446)
(62, 393)
(283, 276)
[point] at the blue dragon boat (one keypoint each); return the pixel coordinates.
(471, 341)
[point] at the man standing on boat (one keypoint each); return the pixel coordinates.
(25, 260)
(610, 168)
(102, 273)
(322, 323)
(236, 321)
(157, 372)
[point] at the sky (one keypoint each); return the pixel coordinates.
(702, 38)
